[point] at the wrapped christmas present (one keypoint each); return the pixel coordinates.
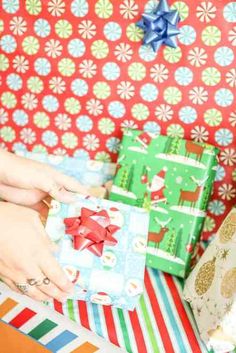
(172, 178)
(211, 289)
(102, 248)
(75, 73)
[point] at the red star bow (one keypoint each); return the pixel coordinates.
(91, 230)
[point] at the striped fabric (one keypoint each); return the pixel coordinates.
(30, 325)
(162, 321)
(15, 315)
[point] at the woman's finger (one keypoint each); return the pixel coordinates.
(50, 267)
(22, 254)
(18, 282)
(58, 286)
(60, 194)
(48, 244)
(33, 272)
(53, 247)
(19, 278)
(59, 186)
(39, 281)
(10, 283)
(48, 179)
(21, 196)
(69, 183)
(35, 282)
(48, 288)
(39, 176)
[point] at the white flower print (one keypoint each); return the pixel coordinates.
(125, 90)
(53, 48)
(29, 101)
(232, 119)
(128, 124)
(123, 52)
(94, 107)
(87, 68)
(3, 116)
(28, 135)
(199, 134)
(198, 95)
(159, 73)
(56, 7)
(129, 9)
(206, 11)
(63, 122)
(91, 142)
(163, 112)
(18, 25)
(227, 192)
(228, 157)
(57, 85)
(231, 78)
(197, 57)
(60, 152)
(20, 64)
(87, 29)
(232, 36)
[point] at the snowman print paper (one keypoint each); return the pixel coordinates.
(116, 277)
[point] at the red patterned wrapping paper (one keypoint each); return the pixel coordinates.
(74, 74)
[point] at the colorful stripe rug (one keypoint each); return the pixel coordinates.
(27, 326)
(162, 322)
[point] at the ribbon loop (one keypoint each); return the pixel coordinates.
(160, 27)
(91, 230)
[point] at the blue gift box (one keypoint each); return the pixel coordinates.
(117, 276)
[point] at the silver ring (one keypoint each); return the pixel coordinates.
(37, 283)
(23, 287)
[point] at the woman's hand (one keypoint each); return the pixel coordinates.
(27, 182)
(27, 253)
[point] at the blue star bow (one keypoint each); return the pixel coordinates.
(160, 26)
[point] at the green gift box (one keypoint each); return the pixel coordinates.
(172, 178)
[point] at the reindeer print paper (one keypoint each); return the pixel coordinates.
(115, 278)
(211, 289)
(172, 178)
